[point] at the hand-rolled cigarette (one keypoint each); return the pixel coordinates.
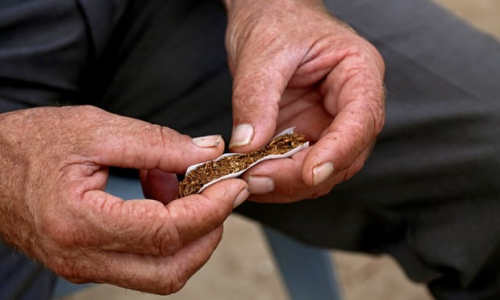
(232, 165)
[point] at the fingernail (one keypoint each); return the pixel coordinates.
(260, 184)
(241, 197)
(242, 135)
(322, 172)
(209, 141)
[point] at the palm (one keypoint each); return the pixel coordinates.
(304, 109)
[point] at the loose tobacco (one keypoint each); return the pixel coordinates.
(215, 169)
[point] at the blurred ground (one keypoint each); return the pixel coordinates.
(242, 267)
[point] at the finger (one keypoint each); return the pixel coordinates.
(280, 181)
(355, 95)
(149, 227)
(159, 185)
(277, 177)
(130, 143)
(260, 77)
(301, 116)
(152, 274)
(358, 164)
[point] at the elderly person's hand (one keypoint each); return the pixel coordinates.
(295, 65)
(54, 164)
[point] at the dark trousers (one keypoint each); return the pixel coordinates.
(429, 194)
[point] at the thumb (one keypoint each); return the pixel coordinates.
(130, 143)
(259, 82)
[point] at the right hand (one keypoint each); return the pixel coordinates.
(54, 164)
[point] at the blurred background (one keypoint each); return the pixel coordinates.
(243, 267)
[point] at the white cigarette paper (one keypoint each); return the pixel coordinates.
(237, 174)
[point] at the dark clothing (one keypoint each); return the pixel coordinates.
(22, 278)
(428, 195)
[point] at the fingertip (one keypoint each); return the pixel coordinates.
(316, 169)
(242, 196)
(209, 141)
(322, 172)
(204, 148)
(260, 184)
(242, 135)
(159, 185)
(247, 137)
(234, 191)
(188, 151)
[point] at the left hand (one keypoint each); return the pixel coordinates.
(296, 65)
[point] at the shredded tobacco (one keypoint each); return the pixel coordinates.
(212, 170)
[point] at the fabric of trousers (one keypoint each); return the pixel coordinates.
(429, 193)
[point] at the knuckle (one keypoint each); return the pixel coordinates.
(166, 240)
(89, 109)
(365, 59)
(376, 57)
(377, 114)
(170, 237)
(353, 170)
(156, 136)
(177, 284)
(66, 268)
(89, 115)
(173, 282)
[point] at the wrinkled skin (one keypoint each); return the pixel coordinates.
(295, 65)
(55, 166)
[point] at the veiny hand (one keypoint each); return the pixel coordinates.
(295, 65)
(54, 164)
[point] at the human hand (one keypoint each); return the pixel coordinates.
(54, 164)
(295, 65)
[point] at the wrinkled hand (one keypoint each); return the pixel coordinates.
(52, 205)
(295, 65)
